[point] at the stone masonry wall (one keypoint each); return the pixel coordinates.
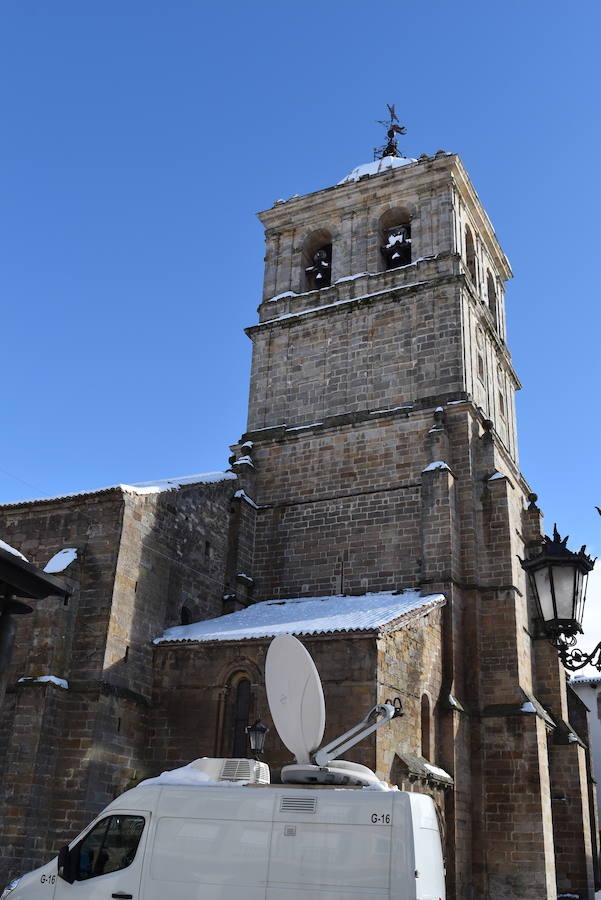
(141, 558)
(193, 693)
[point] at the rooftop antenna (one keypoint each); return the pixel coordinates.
(297, 707)
(391, 148)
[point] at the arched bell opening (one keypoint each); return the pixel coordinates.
(317, 260)
(395, 238)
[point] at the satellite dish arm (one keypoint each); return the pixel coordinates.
(382, 713)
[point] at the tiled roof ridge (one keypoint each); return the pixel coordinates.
(139, 487)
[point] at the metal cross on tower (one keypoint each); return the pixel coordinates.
(391, 147)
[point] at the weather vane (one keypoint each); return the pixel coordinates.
(391, 148)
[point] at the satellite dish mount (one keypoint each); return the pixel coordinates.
(296, 702)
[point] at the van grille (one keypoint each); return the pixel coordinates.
(298, 804)
(236, 770)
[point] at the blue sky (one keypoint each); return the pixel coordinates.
(139, 140)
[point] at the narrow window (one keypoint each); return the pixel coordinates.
(492, 298)
(207, 551)
(241, 714)
(425, 722)
(470, 254)
(502, 404)
(480, 368)
(185, 616)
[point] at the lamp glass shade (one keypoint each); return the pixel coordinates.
(256, 736)
(564, 582)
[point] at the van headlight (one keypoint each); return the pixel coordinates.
(10, 888)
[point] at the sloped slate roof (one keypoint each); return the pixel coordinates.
(141, 487)
(310, 615)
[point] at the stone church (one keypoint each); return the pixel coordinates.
(375, 508)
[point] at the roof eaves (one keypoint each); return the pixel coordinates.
(412, 615)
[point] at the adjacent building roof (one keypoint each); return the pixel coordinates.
(584, 679)
(140, 487)
(310, 615)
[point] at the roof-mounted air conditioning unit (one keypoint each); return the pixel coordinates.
(250, 771)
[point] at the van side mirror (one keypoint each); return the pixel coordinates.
(66, 864)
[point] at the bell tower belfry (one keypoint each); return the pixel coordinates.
(381, 455)
(357, 384)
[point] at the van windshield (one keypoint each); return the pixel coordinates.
(111, 845)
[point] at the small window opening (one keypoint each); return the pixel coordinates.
(425, 726)
(241, 715)
(126, 654)
(502, 404)
(480, 368)
(207, 551)
(470, 254)
(492, 298)
(118, 724)
(185, 616)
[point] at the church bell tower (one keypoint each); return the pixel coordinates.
(380, 351)
(381, 453)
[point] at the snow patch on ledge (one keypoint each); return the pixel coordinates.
(377, 167)
(496, 476)
(9, 549)
(437, 771)
(303, 427)
(352, 277)
(315, 309)
(528, 707)
(439, 464)
(61, 560)
(43, 679)
(244, 461)
(389, 409)
(242, 495)
(281, 296)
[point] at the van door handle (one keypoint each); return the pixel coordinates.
(123, 896)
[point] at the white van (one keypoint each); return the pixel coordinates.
(231, 842)
(332, 830)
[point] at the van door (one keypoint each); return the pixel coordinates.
(107, 860)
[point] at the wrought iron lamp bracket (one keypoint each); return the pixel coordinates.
(573, 658)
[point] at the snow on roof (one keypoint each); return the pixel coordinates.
(168, 484)
(140, 488)
(310, 615)
(376, 167)
(9, 549)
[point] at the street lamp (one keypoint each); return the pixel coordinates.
(558, 579)
(256, 735)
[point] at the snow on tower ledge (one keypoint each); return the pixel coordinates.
(376, 167)
(310, 615)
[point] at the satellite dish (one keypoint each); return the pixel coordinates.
(295, 696)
